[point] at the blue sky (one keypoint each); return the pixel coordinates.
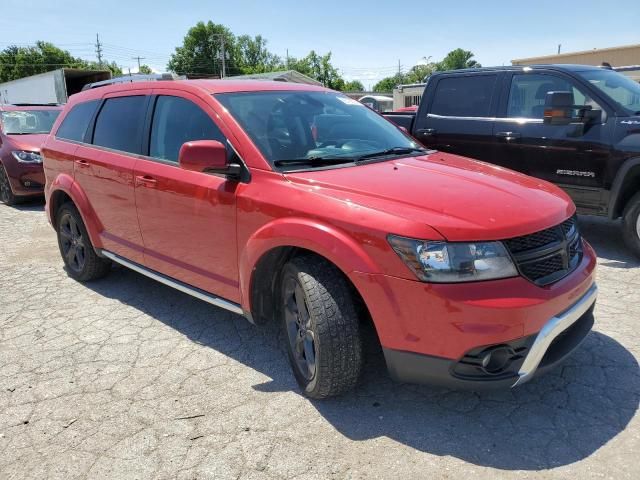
(366, 40)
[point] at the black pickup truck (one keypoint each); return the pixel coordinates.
(572, 125)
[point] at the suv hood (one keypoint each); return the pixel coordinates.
(463, 199)
(27, 142)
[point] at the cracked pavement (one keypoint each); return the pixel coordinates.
(127, 378)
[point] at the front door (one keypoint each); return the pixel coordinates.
(187, 219)
(573, 156)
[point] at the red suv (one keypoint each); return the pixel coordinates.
(22, 131)
(297, 204)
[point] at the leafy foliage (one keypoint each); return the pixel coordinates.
(146, 69)
(455, 59)
(18, 62)
(353, 86)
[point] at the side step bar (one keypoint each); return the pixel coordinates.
(183, 287)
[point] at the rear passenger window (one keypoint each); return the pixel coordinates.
(466, 96)
(176, 121)
(75, 124)
(120, 122)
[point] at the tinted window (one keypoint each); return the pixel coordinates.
(529, 91)
(176, 121)
(27, 122)
(75, 124)
(467, 96)
(120, 122)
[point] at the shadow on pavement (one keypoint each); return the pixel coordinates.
(554, 420)
(30, 205)
(606, 238)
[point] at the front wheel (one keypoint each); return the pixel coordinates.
(321, 327)
(80, 258)
(6, 194)
(631, 224)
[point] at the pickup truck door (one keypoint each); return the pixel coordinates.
(457, 114)
(187, 218)
(572, 157)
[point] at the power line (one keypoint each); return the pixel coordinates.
(138, 58)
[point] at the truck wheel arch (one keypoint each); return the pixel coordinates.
(275, 243)
(625, 185)
(63, 189)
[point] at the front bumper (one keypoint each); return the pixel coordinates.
(26, 179)
(532, 355)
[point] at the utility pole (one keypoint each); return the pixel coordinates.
(99, 49)
(287, 59)
(399, 69)
(223, 55)
(138, 58)
(559, 46)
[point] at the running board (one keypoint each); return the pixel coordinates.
(183, 287)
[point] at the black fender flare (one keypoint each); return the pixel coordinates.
(615, 198)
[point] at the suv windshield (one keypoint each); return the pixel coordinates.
(318, 128)
(621, 89)
(26, 122)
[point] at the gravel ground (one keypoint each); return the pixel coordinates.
(127, 378)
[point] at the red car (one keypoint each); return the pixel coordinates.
(22, 131)
(473, 275)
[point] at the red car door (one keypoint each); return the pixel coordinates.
(104, 170)
(187, 219)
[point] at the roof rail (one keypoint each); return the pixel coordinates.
(152, 77)
(52, 104)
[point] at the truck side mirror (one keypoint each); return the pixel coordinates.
(208, 156)
(558, 108)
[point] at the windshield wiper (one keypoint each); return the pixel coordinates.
(313, 161)
(392, 151)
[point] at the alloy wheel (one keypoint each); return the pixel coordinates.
(5, 188)
(299, 329)
(72, 243)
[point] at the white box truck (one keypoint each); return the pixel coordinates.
(52, 87)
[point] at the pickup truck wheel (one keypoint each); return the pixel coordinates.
(321, 326)
(6, 194)
(631, 224)
(80, 258)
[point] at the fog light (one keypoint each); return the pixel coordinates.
(27, 183)
(495, 360)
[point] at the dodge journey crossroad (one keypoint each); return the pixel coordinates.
(296, 204)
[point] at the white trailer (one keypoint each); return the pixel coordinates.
(52, 87)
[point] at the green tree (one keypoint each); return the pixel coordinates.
(389, 83)
(320, 68)
(17, 62)
(418, 72)
(353, 86)
(201, 51)
(456, 59)
(254, 57)
(146, 69)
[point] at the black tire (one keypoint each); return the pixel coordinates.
(80, 258)
(323, 343)
(631, 224)
(6, 194)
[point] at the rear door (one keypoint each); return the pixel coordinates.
(104, 170)
(459, 112)
(187, 218)
(572, 156)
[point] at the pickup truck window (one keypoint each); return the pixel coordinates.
(120, 122)
(75, 124)
(619, 88)
(176, 121)
(464, 96)
(299, 125)
(529, 91)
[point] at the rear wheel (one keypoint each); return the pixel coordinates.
(76, 249)
(6, 194)
(321, 327)
(631, 224)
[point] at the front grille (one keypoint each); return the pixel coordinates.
(547, 256)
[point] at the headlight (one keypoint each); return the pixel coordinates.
(443, 262)
(27, 157)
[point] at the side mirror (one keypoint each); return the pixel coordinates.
(207, 156)
(559, 107)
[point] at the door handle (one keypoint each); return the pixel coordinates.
(426, 132)
(82, 163)
(146, 181)
(508, 136)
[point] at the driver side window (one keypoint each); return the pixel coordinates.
(529, 91)
(176, 121)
